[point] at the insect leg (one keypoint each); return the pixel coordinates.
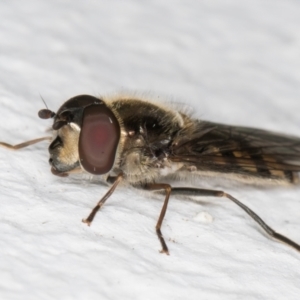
(25, 144)
(91, 216)
(251, 213)
(168, 189)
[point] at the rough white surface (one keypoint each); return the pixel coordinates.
(232, 61)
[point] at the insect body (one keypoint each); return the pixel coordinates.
(128, 139)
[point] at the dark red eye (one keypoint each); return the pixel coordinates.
(99, 138)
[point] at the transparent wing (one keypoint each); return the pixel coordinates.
(217, 147)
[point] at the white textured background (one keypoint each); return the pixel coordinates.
(234, 61)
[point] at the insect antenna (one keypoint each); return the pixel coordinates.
(46, 113)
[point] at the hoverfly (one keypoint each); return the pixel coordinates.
(137, 141)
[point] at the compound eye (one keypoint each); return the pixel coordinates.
(99, 139)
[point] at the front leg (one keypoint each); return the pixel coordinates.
(25, 144)
(91, 216)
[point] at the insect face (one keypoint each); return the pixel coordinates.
(86, 135)
(64, 149)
